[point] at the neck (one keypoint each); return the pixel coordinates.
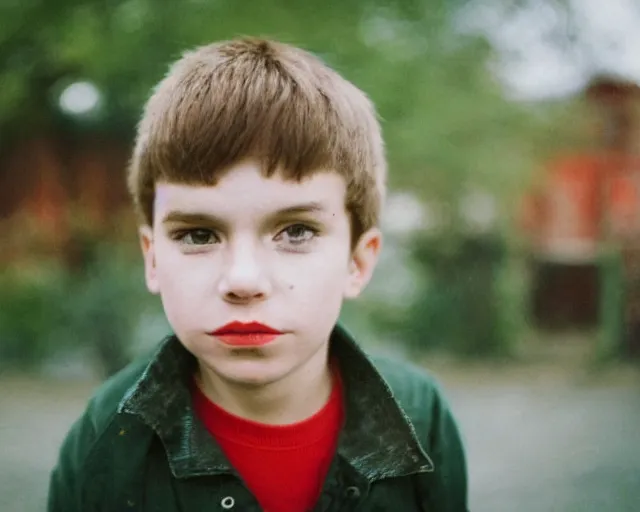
(293, 398)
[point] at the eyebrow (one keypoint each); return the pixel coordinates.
(186, 217)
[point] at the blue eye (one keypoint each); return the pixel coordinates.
(297, 234)
(197, 237)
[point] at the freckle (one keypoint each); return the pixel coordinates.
(290, 287)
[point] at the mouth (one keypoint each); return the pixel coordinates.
(252, 334)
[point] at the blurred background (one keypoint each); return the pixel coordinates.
(511, 267)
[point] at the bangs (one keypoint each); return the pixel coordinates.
(229, 102)
(216, 120)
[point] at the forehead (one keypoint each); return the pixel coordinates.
(244, 189)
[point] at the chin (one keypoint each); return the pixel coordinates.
(250, 372)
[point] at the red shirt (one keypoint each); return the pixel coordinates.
(284, 466)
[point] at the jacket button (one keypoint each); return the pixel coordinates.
(352, 492)
(227, 503)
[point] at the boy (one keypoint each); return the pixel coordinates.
(258, 175)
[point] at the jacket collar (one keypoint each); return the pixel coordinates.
(377, 440)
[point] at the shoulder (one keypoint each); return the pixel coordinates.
(102, 407)
(413, 387)
(106, 399)
(416, 391)
(72, 472)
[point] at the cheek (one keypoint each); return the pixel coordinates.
(316, 281)
(182, 280)
(183, 300)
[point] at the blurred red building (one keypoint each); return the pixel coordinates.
(586, 203)
(55, 189)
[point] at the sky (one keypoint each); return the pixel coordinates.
(537, 60)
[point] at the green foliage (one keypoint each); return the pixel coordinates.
(460, 306)
(105, 303)
(612, 337)
(31, 317)
(96, 310)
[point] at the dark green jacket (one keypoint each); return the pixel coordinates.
(139, 447)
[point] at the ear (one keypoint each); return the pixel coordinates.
(363, 262)
(149, 256)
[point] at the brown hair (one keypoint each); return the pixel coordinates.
(248, 98)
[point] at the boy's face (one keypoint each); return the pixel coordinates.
(256, 249)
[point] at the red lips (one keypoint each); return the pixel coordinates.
(252, 334)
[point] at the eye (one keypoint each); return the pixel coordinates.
(297, 234)
(197, 237)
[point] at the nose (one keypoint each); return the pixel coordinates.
(244, 278)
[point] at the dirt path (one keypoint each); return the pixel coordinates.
(544, 439)
(537, 440)
(34, 417)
